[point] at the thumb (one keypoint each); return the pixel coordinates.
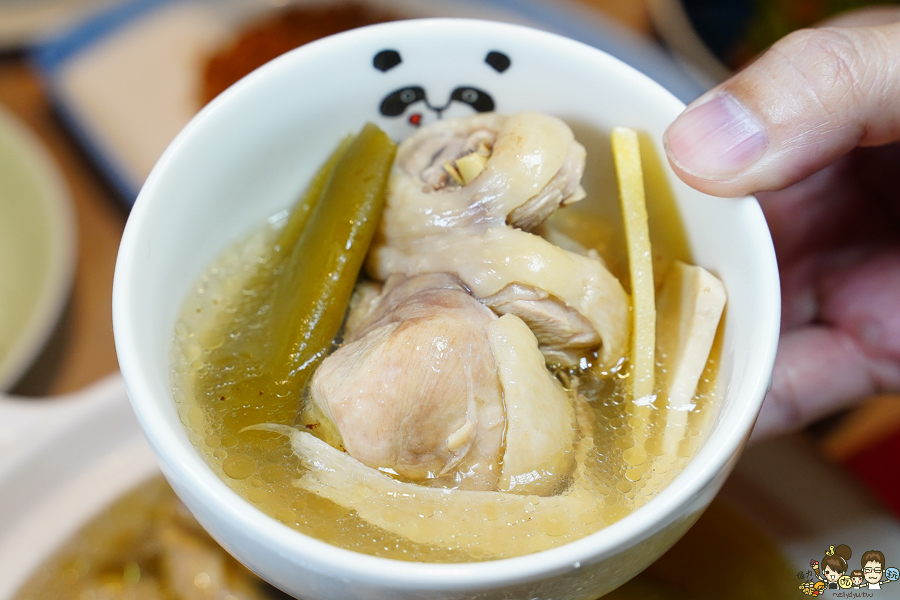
(812, 97)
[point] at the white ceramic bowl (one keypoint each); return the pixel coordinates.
(248, 155)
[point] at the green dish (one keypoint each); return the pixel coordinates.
(37, 247)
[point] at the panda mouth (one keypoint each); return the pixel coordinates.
(397, 102)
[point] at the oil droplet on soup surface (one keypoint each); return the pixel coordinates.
(239, 466)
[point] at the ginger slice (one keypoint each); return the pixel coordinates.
(471, 165)
(627, 157)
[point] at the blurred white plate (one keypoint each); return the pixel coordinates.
(63, 460)
(37, 247)
(128, 80)
(25, 21)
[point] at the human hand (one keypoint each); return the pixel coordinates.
(813, 124)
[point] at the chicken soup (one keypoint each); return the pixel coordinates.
(418, 362)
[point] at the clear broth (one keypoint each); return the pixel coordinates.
(217, 401)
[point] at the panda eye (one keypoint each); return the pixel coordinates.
(480, 100)
(396, 102)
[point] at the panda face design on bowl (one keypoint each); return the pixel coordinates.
(412, 101)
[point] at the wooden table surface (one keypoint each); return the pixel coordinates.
(82, 349)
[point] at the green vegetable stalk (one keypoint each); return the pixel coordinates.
(321, 270)
(293, 306)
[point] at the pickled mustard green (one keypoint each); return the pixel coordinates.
(301, 213)
(325, 262)
(294, 305)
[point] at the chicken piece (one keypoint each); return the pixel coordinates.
(529, 152)
(415, 392)
(564, 189)
(540, 417)
(362, 304)
(475, 231)
(489, 261)
(431, 160)
(402, 298)
(438, 390)
(564, 334)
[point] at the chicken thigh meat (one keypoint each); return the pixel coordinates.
(434, 388)
(415, 392)
(477, 227)
(441, 379)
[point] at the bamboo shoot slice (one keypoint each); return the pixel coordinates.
(690, 305)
